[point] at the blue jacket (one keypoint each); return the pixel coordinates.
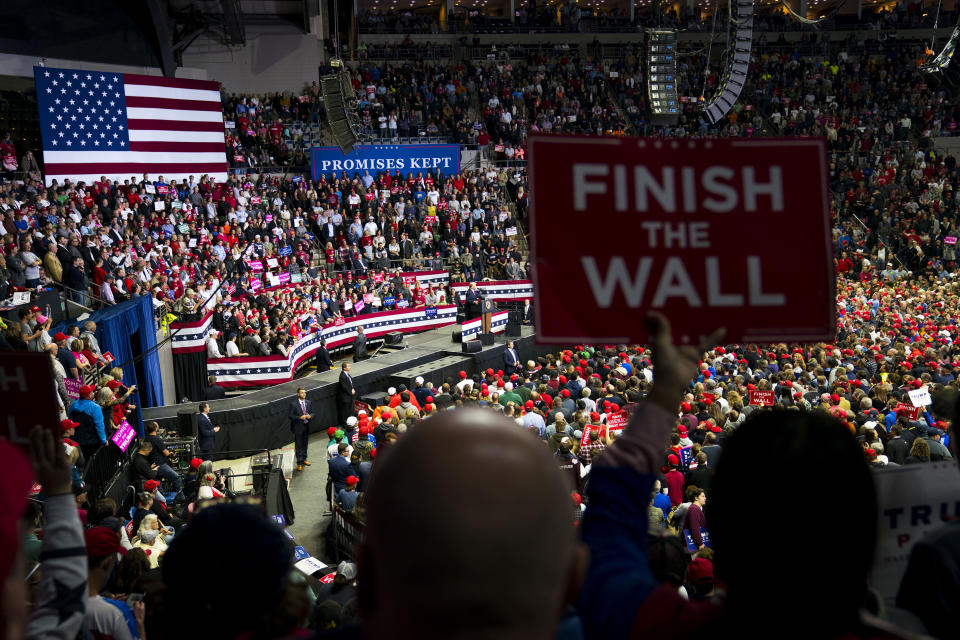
(340, 470)
(90, 416)
(206, 436)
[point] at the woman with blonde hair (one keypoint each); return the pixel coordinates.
(207, 490)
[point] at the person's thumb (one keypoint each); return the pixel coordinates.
(658, 327)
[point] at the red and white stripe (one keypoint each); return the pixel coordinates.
(175, 128)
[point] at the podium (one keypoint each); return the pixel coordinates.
(486, 315)
(486, 322)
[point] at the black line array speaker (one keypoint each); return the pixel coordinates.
(187, 424)
(486, 339)
(457, 335)
(473, 346)
(335, 102)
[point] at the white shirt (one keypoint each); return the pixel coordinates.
(232, 349)
(213, 349)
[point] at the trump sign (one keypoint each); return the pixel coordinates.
(728, 233)
(405, 158)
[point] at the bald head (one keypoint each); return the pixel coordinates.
(469, 513)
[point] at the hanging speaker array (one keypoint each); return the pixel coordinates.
(738, 61)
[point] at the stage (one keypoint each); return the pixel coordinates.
(258, 419)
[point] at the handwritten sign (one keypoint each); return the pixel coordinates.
(761, 398)
(73, 388)
(123, 435)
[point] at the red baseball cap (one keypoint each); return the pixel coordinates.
(102, 542)
(151, 485)
(352, 480)
(66, 425)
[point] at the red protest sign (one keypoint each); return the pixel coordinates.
(761, 398)
(909, 410)
(617, 420)
(108, 356)
(359, 406)
(585, 438)
(710, 232)
(29, 396)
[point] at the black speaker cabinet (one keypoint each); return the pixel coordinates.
(513, 329)
(393, 338)
(473, 346)
(461, 317)
(486, 339)
(187, 424)
(457, 335)
(375, 398)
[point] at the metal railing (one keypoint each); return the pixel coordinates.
(105, 466)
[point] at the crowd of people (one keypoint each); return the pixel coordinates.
(602, 450)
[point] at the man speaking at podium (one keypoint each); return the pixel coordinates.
(473, 301)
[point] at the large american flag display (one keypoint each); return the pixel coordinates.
(122, 125)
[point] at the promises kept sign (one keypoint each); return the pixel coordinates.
(728, 233)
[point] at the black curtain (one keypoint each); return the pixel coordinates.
(190, 374)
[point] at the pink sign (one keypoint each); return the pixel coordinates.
(950, 240)
(256, 265)
(359, 306)
(73, 388)
(368, 298)
(255, 200)
(254, 285)
(123, 436)
(269, 218)
(284, 277)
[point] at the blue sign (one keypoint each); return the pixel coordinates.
(704, 535)
(280, 520)
(377, 158)
(299, 553)
(285, 251)
(389, 300)
(686, 456)
(430, 312)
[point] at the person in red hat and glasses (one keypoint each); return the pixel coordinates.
(91, 434)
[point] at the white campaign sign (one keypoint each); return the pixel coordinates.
(920, 397)
(913, 500)
(310, 565)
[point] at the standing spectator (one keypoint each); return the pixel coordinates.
(206, 436)
(693, 519)
(91, 434)
(360, 346)
(345, 394)
(107, 618)
(674, 480)
(299, 414)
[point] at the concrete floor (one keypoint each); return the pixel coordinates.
(307, 492)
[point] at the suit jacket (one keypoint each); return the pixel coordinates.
(360, 348)
(345, 388)
(340, 470)
(206, 436)
(323, 359)
(294, 412)
(510, 359)
(214, 392)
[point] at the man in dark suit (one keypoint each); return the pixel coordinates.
(340, 467)
(322, 357)
(299, 415)
(345, 394)
(360, 346)
(473, 301)
(511, 359)
(206, 431)
(213, 390)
